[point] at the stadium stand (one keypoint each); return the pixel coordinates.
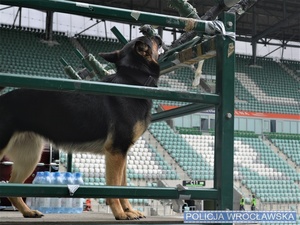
(94, 45)
(281, 91)
(182, 152)
(263, 172)
(292, 67)
(289, 144)
(144, 162)
(29, 55)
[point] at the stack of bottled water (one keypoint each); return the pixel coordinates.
(78, 202)
(57, 205)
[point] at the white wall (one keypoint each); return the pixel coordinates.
(262, 50)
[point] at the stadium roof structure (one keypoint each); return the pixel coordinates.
(265, 21)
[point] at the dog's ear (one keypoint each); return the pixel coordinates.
(112, 57)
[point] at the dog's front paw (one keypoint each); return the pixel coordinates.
(130, 215)
(33, 214)
(140, 214)
(134, 214)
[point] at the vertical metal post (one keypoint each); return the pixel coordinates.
(20, 18)
(49, 26)
(69, 162)
(254, 32)
(223, 167)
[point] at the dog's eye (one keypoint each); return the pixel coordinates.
(160, 43)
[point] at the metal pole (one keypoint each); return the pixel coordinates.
(49, 26)
(16, 16)
(20, 18)
(118, 35)
(97, 22)
(254, 44)
(90, 87)
(69, 162)
(6, 8)
(223, 164)
(37, 190)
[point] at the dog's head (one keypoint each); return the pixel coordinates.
(137, 60)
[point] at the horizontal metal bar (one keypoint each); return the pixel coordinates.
(180, 111)
(35, 190)
(114, 14)
(92, 87)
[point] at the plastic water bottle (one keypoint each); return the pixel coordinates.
(66, 203)
(44, 202)
(78, 202)
(55, 203)
(35, 201)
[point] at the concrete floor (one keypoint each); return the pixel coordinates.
(14, 217)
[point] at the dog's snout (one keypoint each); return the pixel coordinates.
(155, 51)
(159, 44)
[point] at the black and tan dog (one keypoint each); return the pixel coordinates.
(79, 122)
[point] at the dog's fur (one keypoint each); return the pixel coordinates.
(79, 122)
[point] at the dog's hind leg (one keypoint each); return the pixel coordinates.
(115, 164)
(125, 203)
(24, 149)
